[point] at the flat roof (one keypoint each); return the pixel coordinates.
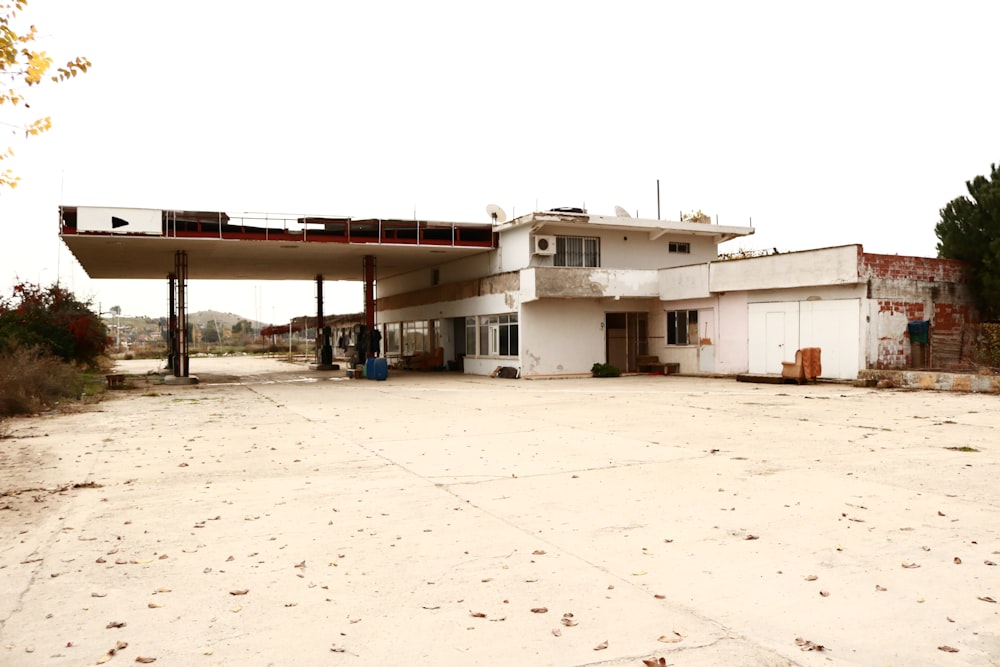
(141, 244)
(655, 228)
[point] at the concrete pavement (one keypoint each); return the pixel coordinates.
(272, 515)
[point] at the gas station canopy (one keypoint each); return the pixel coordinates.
(135, 243)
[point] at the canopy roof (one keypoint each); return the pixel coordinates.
(141, 243)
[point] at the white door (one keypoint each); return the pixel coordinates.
(706, 341)
(773, 335)
(774, 341)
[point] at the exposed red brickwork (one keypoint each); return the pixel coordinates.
(950, 344)
(912, 310)
(901, 267)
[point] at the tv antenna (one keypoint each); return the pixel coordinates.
(621, 213)
(496, 214)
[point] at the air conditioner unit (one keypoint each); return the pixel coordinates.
(544, 245)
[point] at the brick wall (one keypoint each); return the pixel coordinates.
(918, 288)
(900, 267)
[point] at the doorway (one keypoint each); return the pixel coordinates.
(626, 339)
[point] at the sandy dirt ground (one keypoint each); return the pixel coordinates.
(273, 515)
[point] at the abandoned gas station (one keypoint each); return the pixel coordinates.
(552, 293)
(178, 246)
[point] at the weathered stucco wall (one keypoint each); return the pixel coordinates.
(561, 337)
(450, 296)
(828, 266)
(731, 356)
(475, 266)
(905, 289)
(684, 282)
(620, 249)
(566, 282)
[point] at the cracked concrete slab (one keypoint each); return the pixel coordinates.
(273, 515)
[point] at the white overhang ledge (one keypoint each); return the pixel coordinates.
(655, 228)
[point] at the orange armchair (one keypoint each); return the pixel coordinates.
(806, 366)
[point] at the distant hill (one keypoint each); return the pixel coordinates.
(225, 320)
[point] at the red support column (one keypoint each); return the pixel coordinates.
(369, 264)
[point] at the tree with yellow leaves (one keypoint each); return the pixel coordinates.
(22, 67)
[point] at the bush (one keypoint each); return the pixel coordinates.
(32, 379)
(988, 345)
(600, 370)
(52, 320)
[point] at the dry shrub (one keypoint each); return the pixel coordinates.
(31, 379)
(988, 345)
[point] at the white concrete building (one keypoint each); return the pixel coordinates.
(565, 289)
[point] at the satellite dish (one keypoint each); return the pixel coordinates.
(621, 213)
(496, 213)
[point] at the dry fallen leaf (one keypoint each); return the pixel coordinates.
(958, 561)
(988, 562)
(477, 614)
(600, 647)
(655, 662)
(154, 605)
(751, 537)
(806, 645)
(538, 552)
(825, 594)
(144, 661)
(812, 577)
(98, 595)
(910, 566)
(672, 638)
(987, 598)
(242, 591)
(659, 596)
(556, 632)
(880, 588)
(539, 610)
(111, 652)
(569, 622)
(948, 649)
(115, 624)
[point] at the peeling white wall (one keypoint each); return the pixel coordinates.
(828, 266)
(475, 266)
(561, 337)
(685, 282)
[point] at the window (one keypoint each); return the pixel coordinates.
(680, 247)
(508, 335)
(392, 338)
(470, 335)
(415, 338)
(498, 335)
(577, 251)
(682, 327)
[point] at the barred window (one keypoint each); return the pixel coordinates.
(577, 251)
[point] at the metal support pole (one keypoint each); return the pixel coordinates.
(172, 332)
(181, 271)
(369, 266)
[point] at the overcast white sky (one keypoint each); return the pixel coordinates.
(826, 123)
